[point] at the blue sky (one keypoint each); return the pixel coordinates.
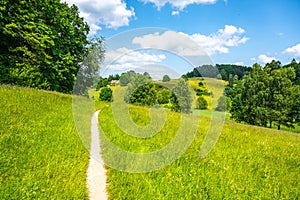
(232, 31)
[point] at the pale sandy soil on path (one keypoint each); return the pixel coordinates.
(96, 173)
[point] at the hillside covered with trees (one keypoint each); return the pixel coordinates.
(220, 71)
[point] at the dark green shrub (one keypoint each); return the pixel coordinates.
(163, 96)
(202, 103)
(166, 78)
(105, 94)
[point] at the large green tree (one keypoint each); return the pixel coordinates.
(181, 99)
(141, 90)
(42, 43)
(166, 78)
(249, 105)
(88, 74)
(267, 96)
(296, 67)
(126, 77)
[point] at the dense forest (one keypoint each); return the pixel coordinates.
(230, 71)
(221, 71)
(44, 44)
(267, 95)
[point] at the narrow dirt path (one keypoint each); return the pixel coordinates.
(96, 173)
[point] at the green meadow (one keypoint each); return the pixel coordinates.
(44, 153)
(42, 156)
(247, 163)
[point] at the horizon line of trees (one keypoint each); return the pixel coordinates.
(267, 96)
(220, 71)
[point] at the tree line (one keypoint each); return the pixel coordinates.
(267, 96)
(261, 95)
(220, 71)
(44, 45)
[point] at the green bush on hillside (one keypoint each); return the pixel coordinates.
(166, 78)
(106, 94)
(182, 97)
(202, 103)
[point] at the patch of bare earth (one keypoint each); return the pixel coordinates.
(96, 173)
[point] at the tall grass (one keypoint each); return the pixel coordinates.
(42, 155)
(212, 85)
(247, 163)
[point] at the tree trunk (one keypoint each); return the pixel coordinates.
(270, 124)
(278, 126)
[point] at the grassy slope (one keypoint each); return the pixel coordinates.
(247, 163)
(42, 156)
(217, 87)
(213, 85)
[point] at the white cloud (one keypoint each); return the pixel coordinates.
(94, 28)
(171, 41)
(295, 50)
(220, 41)
(230, 30)
(265, 59)
(125, 59)
(175, 12)
(179, 4)
(240, 63)
(195, 44)
(112, 13)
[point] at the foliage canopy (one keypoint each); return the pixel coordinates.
(42, 44)
(106, 94)
(166, 78)
(266, 96)
(202, 103)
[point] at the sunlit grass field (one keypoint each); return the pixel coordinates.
(42, 155)
(247, 163)
(212, 85)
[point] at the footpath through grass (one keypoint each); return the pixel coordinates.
(42, 155)
(247, 163)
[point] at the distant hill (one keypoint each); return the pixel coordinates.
(221, 71)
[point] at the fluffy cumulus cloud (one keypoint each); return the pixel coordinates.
(125, 59)
(294, 50)
(195, 44)
(112, 13)
(170, 41)
(178, 4)
(220, 41)
(265, 59)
